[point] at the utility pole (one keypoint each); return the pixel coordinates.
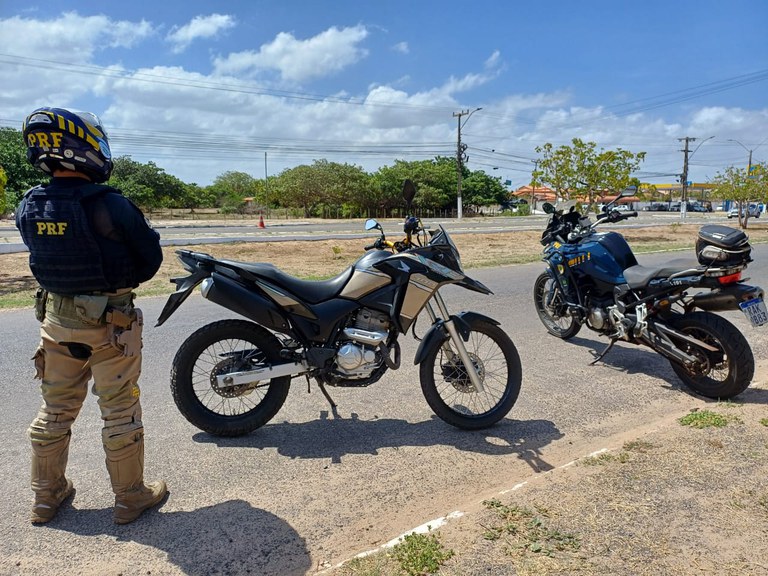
(749, 162)
(684, 177)
(461, 157)
(535, 175)
(266, 180)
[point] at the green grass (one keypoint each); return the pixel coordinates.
(707, 419)
(420, 554)
(527, 532)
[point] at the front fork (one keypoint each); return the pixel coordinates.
(456, 338)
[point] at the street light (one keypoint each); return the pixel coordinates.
(684, 175)
(460, 154)
(749, 163)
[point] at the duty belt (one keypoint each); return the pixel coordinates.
(71, 311)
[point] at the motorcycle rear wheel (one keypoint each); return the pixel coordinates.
(555, 316)
(722, 374)
(219, 348)
(448, 390)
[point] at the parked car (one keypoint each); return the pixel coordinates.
(753, 210)
(656, 207)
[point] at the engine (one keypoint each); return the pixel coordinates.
(613, 322)
(599, 318)
(358, 352)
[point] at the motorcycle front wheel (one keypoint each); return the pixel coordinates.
(448, 389)
(721, 373)
(552, 309)
(221, 348)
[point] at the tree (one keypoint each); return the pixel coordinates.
(738, 185)
(3, 199)
(148, 185)
(557, 168)
(20, 174)
(230, 189)
(304, 187)
(581, 170)
(480, 189)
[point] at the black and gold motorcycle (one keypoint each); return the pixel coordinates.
(232, 376)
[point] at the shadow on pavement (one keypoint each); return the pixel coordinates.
(631, 359)
(335, 437)
(232, 537)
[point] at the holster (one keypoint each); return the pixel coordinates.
(41, 298)
(126, 330)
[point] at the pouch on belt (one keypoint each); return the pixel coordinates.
(90, 308)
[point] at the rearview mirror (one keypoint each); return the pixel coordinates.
(372, 224)
(548, 208)
(409, 191)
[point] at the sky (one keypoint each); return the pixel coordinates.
(202, 88)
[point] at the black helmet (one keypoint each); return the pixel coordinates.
(60, 139)
(411, 225)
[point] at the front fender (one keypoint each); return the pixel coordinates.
(437, 334)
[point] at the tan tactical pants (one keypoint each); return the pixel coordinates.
(70, 354)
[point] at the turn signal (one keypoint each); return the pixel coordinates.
(730, 279)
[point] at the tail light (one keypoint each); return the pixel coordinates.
(730, 278)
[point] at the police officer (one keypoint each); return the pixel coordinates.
(89, 247)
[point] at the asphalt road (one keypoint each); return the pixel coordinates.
(309, 490)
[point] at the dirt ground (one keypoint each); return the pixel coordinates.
(678, 501)
(671, 500)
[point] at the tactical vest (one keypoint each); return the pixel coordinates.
(64, 254)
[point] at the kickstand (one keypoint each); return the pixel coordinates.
(603, 353)
(328, 397)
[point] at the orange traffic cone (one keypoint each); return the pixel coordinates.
(261, 222)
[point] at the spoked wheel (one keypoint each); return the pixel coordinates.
(723, 372)
(448, 389)
(552, 309)
(221, 348)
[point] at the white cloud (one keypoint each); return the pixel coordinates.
(401, 47)
(199, 27)
(493, 61)
(299, 60)
(70, 36)
(31, 76)
(228, 121)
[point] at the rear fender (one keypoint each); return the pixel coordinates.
(726, 298)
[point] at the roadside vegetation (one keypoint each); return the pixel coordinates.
(690, 498)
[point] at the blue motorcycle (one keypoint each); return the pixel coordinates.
(593, 279)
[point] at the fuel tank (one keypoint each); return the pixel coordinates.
(365, 278)
(602, 257)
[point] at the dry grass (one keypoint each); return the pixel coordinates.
(325, 258)
(681, 501)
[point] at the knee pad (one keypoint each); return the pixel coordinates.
(118, 434)
(48, 429)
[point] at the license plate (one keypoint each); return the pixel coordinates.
(756, 311)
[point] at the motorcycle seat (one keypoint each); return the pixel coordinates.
(639, 276)
(311, 291)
